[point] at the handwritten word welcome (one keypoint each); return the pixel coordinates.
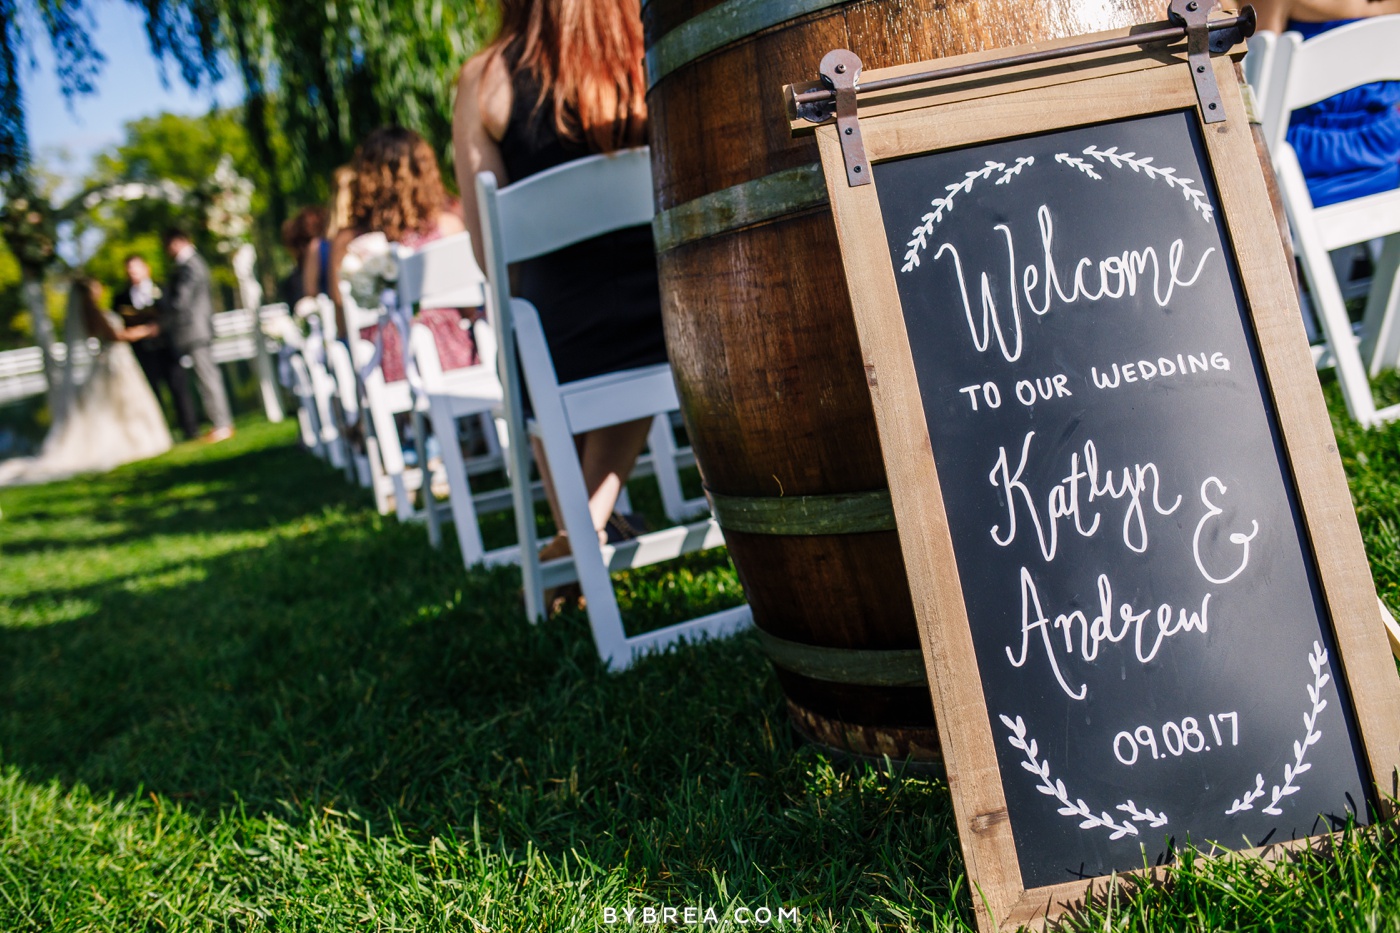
(1113, 277)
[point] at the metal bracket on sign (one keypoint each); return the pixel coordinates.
(1195, 15)
(840, 68)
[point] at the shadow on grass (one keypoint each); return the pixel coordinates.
(321, 659)
(239, 488)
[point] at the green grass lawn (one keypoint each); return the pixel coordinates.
(234, 698)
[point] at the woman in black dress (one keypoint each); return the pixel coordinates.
(564, 80)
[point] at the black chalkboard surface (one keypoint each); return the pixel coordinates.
(1156, 658)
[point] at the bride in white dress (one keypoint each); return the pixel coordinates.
(105, 414)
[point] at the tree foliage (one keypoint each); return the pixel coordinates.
(184, 151)
(317, 73)
(184, 32)
(339, 68)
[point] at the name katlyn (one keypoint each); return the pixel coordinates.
(1072, 497)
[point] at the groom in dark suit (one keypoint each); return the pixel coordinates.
(138, 305)
(186, 321)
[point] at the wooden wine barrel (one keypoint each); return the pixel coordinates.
(761, 335)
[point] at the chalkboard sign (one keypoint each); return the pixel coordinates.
(1138, 581)
(1147, 616)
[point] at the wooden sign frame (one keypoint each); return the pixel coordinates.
(1089, 89)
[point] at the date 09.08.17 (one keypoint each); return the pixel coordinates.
(1177, 738)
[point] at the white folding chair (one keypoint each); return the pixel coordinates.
(308, 412)
(382, 402)
(1303, 73)
(323, 391)
(535, 216)
(444, 274)
(333, 374)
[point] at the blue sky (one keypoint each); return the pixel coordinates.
(128, 87)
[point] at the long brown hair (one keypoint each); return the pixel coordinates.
(299, 230)
(588, 55)
(397, 188)
(87, 293)
(342, 193)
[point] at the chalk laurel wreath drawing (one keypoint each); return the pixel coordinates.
(1077, 807)
(1104, 157)
(945, 204)
(1317, 660)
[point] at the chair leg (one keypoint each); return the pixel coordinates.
(1322, 283)
(458, 484)
(490, 433)
(347, 450)
(330, 437)
(386, 432)
(1381, 345)
(604, 617)
(430, 512)
(1327, 299)
(267, 375)
(663, 461)
(380, 484)
(523, 502)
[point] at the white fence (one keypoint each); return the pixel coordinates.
(236, 337)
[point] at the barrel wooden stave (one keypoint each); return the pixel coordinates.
(763, 342)
(802, 422)
(705, 109)
(778, 573)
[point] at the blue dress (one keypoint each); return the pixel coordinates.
(1348, 145)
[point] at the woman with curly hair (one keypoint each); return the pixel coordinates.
(564, 80)
(397, 195)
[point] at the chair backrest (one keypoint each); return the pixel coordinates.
(1256, 63)
(1259, 74)
(441, 274)
(1341, 58)
(548, 211)
(568, 203)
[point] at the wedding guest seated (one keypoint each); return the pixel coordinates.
(1348, 146)
(563, 80)
(397, 192)
(299, 233)
(316, 275)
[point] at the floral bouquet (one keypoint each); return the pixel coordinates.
(371, 268)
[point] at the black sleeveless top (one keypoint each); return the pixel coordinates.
(599, 300)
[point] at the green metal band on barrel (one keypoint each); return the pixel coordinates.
(785, 192)
(719, 26)
(867, 668)
(844, 514)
